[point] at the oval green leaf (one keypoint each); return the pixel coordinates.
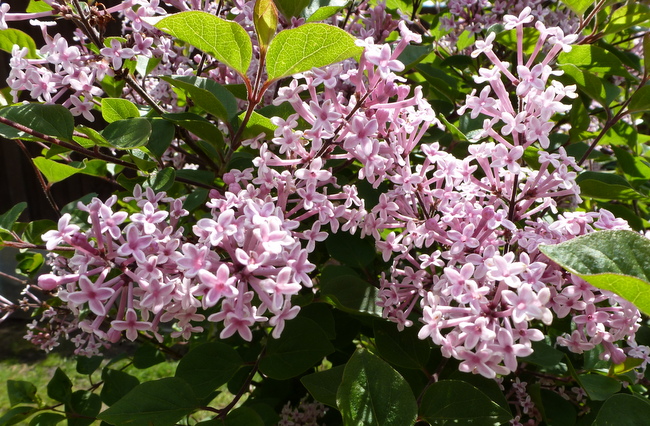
(306, 47)
(127, 134)
(402, 348)
(225, 40)
(53, 171)
(208, 366)
(8, 219)
(623, 410)
(323, 385)
(457, 402)
(207, 94)
(617, 261)
(161, 402)
(11, 37)
(606, 186)
(373, 393)
(302, 345)
(52, 120)
(114, 109)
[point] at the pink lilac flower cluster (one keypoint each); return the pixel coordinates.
(305, 414)
(476, 15)
(462, 234)
(133, 272)
(461, 264)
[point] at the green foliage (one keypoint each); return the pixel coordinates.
(128, 133)
(302, 345)
(209, 366)
(441, 404)
(9, 218)
(373, 393)
(118, 109)
(51, 120)
(12, 37)
(306, 47)
(617, 261)
(212, 97)
(226, 41)
(163, 402)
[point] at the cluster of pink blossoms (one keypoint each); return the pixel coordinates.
(243, 259)
(462, 234)
(450, 227)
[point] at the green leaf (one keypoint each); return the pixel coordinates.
(59, 387)
(161, 180)
(556, 411)
(344, 289)
(623, 410)
(113, 87)
(302, 345)
(544, 355)
(208, 366)
(85, 405)
(147, 356)
(373, 393)
(599, 387)
(197, 125)
(578, 6)
(627, 16)
(11, 37)
(306, 47)
(606, 186)
(323, 385)
(35, 229)
(207, 94)
(161, 402)
(86, 365)
(117, 383)
(21, 392)
(36, 6)
(114, 109)
(319, 10)
(94, 138)
(17, 415)
(617, 261)
(350, 249)
(52, 120)
(129, 133)
(457, 402)
(29, 263)
(640, 100)
(598, 89)
(162, 134)
(402, 348)
(46, 419)
(225, 40)
(595, 59)
(620, 134)
(243, 416)
(8, 219)
(195, 199)
(256, 125)
(291, 8)
(53, 170)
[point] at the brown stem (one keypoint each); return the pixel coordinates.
(224, 411)
(611, 121)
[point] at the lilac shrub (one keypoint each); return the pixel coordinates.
(334, 222)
